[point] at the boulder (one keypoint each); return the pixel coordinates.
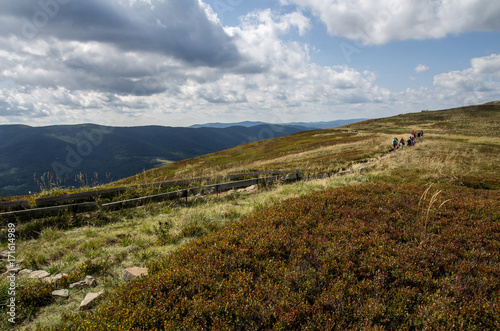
(89, 300)
(39, 274)
(61, 293)
(133, 273)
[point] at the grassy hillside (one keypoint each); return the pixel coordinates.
(409, 242)
(335, 149)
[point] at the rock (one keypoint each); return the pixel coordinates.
(25, 272)
(247, 189)
(55, 278)
(89, 300)
(133, 273)
(38, 274)
(61, 293)
(79, 284)
(90, 281)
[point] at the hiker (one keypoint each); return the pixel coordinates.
(414, 134)
(412, 141)
(395, 143)
(408, 142)
(418, 135)
(402, 143)
(421, 133)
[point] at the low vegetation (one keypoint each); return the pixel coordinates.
(406, 240)
(361, 257)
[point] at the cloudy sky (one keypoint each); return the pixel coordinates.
(181, 62)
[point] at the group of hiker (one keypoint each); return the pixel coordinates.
(400, 143)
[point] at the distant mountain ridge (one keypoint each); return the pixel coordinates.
(309, 125)
(102, 153)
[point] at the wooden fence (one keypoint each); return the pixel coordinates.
(46, 208)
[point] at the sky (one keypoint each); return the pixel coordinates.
(184, 62)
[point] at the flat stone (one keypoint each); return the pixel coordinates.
(89, 300)
(79, 284)
(61, 293)
(39, 274)
(133, 273)
(25, 272)
(89, 281)
(55, 278)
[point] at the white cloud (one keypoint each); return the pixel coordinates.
(421, 68)
(55, 79)
(479, 83)
(59, 81)
(380, 22)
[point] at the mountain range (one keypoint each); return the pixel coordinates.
(32, 158)
(309, 125)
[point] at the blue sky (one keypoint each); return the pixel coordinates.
(177, 63)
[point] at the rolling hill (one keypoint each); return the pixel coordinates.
(87, 155)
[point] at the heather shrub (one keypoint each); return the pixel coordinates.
(366, 257)
(89, 267)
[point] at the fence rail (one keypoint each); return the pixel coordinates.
(42, 212)
(35, 213)
(14, 205)
(111, 192)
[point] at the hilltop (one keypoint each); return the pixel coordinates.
(406, 239)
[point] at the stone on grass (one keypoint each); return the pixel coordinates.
(247, 189)
(89, 281)
(133, 273)
(61, 293)
(39, 274)
(79, 284)
(89, 300)
(55, 278)
(25, 272)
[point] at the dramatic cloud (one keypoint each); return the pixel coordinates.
(180, 29)
(380, 22)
